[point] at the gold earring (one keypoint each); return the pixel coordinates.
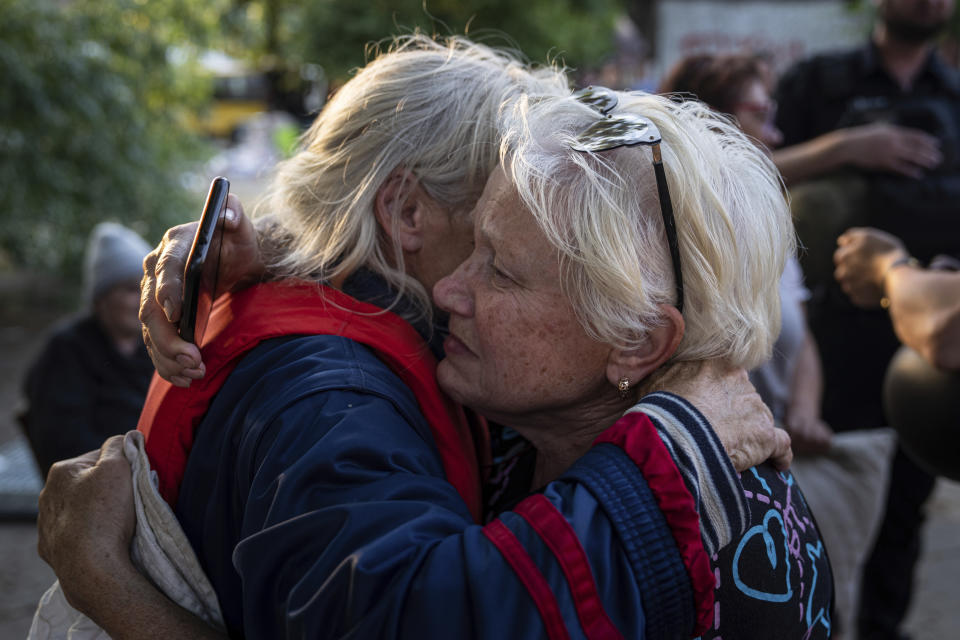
(623, 386)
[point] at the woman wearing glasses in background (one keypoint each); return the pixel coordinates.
(790, 383)
(557, 325)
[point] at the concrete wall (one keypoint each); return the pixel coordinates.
(787, 30)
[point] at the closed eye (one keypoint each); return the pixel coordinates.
(502, 277)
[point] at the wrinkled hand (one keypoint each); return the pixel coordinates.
(886, 147)
(86, 522)
(161, 291)
(862, 259)
(725, 396)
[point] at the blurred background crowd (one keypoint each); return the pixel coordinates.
(115, 115)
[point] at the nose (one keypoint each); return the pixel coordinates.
(452, 293)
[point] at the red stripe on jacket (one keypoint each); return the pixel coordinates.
(528, 573)
(240, 321)
(636, 435)
(562, 540)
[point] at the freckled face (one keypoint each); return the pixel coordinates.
(516, 349)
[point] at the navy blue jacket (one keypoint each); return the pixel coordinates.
(317, 504)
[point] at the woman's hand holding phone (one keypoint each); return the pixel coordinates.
(177, 360)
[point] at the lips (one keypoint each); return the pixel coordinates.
(452, 345)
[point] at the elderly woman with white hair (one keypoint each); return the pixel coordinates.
(584, 279)
(329, 490)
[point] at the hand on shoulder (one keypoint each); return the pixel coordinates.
(724, 395)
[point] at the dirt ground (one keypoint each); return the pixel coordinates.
(27, 309)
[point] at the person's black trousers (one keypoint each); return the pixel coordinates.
(887, 582)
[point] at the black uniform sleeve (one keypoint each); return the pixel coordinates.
(794, 94)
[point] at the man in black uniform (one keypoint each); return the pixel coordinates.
(898, 83)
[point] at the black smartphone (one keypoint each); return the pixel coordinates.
(195, 294)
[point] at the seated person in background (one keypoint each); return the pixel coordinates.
(875, 269)
(90, 380)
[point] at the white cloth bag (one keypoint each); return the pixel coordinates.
(160, 551)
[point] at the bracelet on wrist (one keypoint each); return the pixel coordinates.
(907, 260)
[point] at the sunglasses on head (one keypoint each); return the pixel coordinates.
(628, 130)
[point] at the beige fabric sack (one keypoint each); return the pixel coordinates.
(160, 551)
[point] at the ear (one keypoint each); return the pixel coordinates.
(399, 209)
(637, 363)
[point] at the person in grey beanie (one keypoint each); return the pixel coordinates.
(91, 377)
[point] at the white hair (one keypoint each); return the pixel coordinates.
(426, 106)
(602, 213)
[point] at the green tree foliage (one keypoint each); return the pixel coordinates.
(91, 115)
(576, 31)
(951, 32)
(336, 33)
(94, 94)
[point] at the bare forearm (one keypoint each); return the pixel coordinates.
(128, 606)
(925, 309)
(807, 386)
(809, 433)
(809, 159)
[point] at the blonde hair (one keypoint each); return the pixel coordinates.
(602, 213)
(426, 106)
